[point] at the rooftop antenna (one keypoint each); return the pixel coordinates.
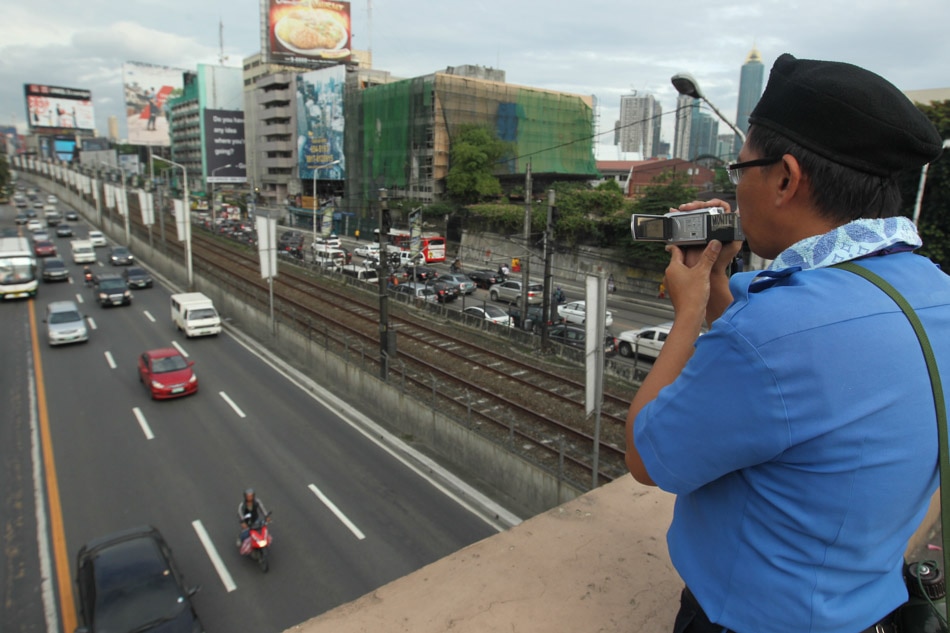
(221, 56)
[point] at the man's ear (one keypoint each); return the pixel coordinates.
(791, 179)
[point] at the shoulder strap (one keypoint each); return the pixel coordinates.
(939, 401)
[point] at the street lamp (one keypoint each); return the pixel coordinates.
(214, 227)
(686, 85)
(187, 212)
(315, 170)
(923, 180)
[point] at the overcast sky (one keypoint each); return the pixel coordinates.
(606, 49)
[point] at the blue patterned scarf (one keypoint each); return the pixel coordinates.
(851, 241)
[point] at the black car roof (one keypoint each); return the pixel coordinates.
(94, 546)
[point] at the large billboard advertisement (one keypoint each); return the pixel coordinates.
(320, 123)
(147, 91)
(54, 108)
(300, 32)
(224, 146)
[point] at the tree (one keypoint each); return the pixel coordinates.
(473, 157)
(935, 207)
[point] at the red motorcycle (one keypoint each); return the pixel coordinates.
(258, 541)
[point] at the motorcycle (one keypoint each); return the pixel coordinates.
(87, 278)
(258, 541)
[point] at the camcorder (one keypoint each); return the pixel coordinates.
(687, 228)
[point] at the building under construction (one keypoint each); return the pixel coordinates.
(399, 134)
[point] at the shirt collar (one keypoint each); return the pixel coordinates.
(850, 241)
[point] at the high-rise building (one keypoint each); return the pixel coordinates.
(686, 107)
(639, 125)
(113, 128)
(750, 90)
(704, 129)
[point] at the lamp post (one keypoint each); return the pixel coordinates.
(214, 226)
(923, 181)
(686, 85)
(187, 212)
(315, 170)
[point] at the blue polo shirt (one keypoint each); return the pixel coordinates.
(801, 442)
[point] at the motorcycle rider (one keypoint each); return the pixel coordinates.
(249, 511)
(87, 275)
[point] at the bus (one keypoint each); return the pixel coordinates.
(17, 268)
(431, 245)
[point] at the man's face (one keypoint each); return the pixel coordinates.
(756, 206)
(249, 500)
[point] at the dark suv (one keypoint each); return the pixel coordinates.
(128, 581)
(112, 290)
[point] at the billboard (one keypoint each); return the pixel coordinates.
(64, 148)
(224, 146)
(300, 32)
(320, 123)
(55, 109)
(147, 91)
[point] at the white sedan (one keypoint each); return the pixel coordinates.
(367, 249)
(491, 313)
(576, 312)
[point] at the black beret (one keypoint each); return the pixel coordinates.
(846, 114)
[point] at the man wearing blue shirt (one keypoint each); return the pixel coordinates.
(799, 433)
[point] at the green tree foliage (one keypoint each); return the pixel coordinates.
(473, 158)
(935, 207)
(6, 178)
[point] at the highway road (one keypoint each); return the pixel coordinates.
(349, 513)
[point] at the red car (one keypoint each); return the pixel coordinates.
(167, 374)
(44, 248)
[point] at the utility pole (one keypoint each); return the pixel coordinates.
(548, 307)
(527, 239)
(387, 339)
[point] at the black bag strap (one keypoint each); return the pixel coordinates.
(939, 401)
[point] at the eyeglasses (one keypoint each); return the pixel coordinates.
(734, 170)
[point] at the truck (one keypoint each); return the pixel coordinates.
(83, 252)
(194, 314)
(51, 215)
(17, 268)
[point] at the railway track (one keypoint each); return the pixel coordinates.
(494, 381)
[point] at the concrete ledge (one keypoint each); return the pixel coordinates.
(596, 563)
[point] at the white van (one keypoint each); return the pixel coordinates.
(193, 313)
(83, 252)
(328, 257)
(405, 258)
(362, 273)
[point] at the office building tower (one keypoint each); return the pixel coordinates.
(639, 125)
(686, 108)
(750, 90)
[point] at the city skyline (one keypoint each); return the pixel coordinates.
(565, 48)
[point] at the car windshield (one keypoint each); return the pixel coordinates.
(134, 587)
(167, 364)
(494, 312)
(202, 313)
(135, 272)
(111, 284)
(68, 316)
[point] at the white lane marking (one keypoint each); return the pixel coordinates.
(180, 349)
(110, 360)
(214, 556)
(342, 517)
(143, 423)
(230, 402)
(148, 315)
(50, 610)
(79, 298)
(92, 323)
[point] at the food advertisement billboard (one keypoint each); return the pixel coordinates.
(54, 108)
(147, 90)
(320, 123)
(301, 32)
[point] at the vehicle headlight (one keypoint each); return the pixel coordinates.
(103, 295)
(157, 384)
(193, 379)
